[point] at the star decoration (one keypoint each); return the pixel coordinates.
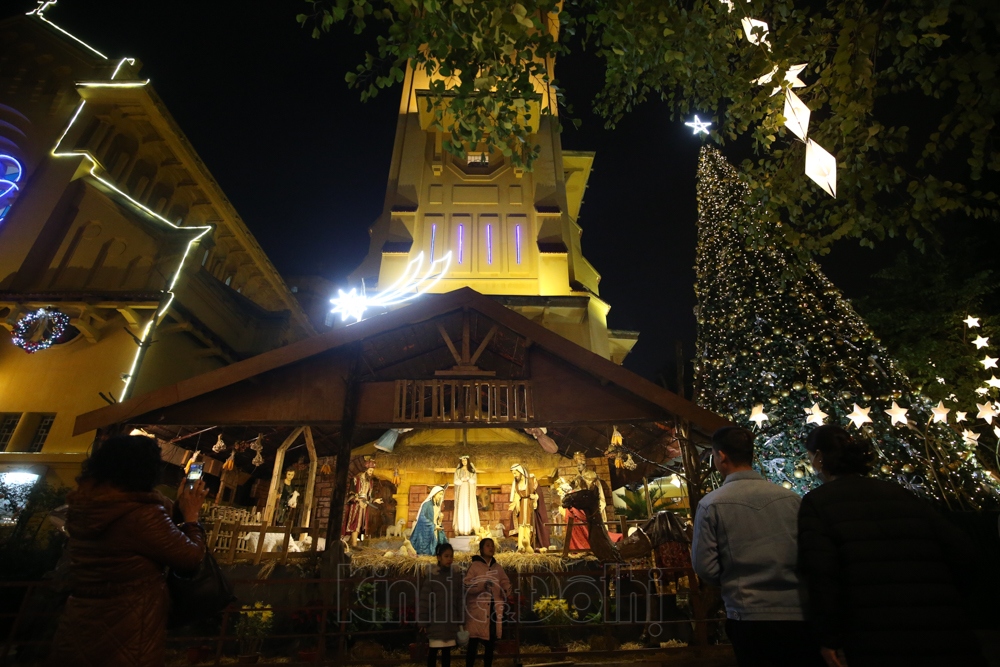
(981, 342)
(896, 414)
(792, 79)
(971, 322)
(993, 382)
(970, 437)
(940, 380)
(698, 125)
(989, 362)
(816, 416)
(821, 167)
(960, 416)
(986, 411)
(996, 431)
(941, 412)
(757, 415)
(350, 304)
(982, 390)
(859, 416)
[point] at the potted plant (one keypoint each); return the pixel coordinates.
(252, 626)
(555, 611)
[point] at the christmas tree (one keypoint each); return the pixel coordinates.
(781, 350)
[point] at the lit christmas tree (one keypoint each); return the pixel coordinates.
(781, 350)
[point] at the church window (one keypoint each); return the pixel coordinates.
(204, 259)
(434, 229)
(478, 159)
(517, 242)
(41, 433)
(461, 242)
(8, 422)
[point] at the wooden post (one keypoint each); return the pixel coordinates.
(279, 460)
(260, 543)
(307, 502)
(351, 397)
(232, 542)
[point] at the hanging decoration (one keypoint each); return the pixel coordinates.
(10, 175)
(39, 330)
(230, 463)
(821, 166)
(219, 445)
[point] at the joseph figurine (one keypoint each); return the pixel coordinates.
(358, 501)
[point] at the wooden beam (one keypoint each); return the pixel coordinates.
(482, 346)
(335, 522)
(451, 346)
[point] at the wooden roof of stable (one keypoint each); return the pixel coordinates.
(578, 393)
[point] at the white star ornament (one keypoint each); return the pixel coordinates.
(757, 415)
(986, 411)
(896, 414)
(821, 167)
(815, 415)
(989, 362)
(981, 342)
(796, 115)
(941, 412)
(859, 416)
(971, 322)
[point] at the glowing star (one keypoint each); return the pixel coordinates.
(816, 416)
(757, 415)
(993, 382)
(896, 414)
(859, 416)
(409, 286)
(971, 322)
(960, 416)
(981, 342)
(796, 115)
(982, 391)
(760, 37)
(792, 79)
(821, 167)
(986, 411)
(698, 125)
(989, 362)
(970, 437)
(941, 412)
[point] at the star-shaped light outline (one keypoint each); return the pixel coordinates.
(981, 342)
(971, 322)
(699, 125)
(986, 412)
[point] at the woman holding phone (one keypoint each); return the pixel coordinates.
(122, 538)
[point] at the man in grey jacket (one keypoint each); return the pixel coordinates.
(745, 542)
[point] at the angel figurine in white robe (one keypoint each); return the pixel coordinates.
(466, 517)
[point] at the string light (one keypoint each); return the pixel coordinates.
(776, 337)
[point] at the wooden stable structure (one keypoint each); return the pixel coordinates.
(449, 366)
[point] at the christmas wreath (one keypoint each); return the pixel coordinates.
(40, 329)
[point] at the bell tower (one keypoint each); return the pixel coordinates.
(512, 234)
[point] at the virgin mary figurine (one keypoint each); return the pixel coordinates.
(466, 520)
(428, 531)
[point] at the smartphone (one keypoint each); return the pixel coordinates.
(194, 474)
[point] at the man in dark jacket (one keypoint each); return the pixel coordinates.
(882, 570)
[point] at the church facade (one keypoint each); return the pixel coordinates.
(123, 266)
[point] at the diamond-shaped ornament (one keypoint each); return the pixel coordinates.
(796, 115)
(821, 167)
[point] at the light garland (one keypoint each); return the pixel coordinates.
(129, 377)
(53, 325)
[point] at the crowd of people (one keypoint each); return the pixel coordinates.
(858, 572)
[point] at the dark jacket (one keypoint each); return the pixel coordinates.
(883, 575)
(120, 545)
(442, 603)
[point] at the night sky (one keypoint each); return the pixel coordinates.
(305, 162)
